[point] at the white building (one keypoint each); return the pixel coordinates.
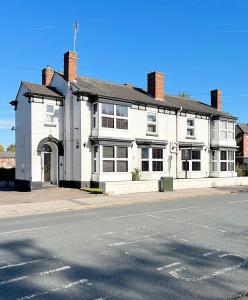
(75, 131)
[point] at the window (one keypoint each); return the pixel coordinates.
(145, 159)
(214, 161)
(151, 122)
(95, 153)
(227, 130)
(114, 116)
(50, 113)
(95, 110)
(190, 127)
(153, 156)
(227, 161)
(193, 162)
(115, 159)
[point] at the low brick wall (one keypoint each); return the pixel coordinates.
(127, 187)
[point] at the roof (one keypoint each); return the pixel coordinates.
(243, 127)
(7, 154)
(132, 94)
(42, 90)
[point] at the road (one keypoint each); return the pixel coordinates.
(192, 248)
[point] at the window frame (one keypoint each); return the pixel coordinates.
(116, 159)
(190, 127)
(227, 130)
(227, 161)
(151, 160)
(114, 116)
(152, 123)
(191, 161)
(50, 115)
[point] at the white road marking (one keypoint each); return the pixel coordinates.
(240, 201)
(175, 273)
(4, 282)
(168, 266)
(22, 230)
(184, 240)
(244, 236)
(25, 263)
(153, 216)
(108, 233)
(210, 253)
(155, 212)
(147, 238)
(63, 287)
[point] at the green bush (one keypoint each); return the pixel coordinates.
(136, 176)
(240, 169)
(93, 190)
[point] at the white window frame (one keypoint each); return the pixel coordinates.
(150, 159)
(226, 130)
(115, 159)
(215, 160)
(95, 159)
(95, 115)
(228, 161)
(49, 115)
(114, 116)
(190, 127)
(190, 161)
(153, 123)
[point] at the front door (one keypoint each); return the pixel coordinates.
(47, 167)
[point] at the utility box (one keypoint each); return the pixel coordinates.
(166, 184)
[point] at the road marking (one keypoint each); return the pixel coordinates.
(210, 253)
(23, 230)
(147, 238)
(4, 282)
(155, 212)
(108, 233)
(175, 273)
(63, 287)
(168, 266)
(240, 201)
(25, 263)
(153, 216)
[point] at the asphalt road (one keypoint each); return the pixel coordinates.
(182, 249)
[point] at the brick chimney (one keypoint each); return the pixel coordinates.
(70, 66)
(216, 99)
(155, 85)
(47, 74)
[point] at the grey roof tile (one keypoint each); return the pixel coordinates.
(43, 90)
(133, 94)
(243, 127)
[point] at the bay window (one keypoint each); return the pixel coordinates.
(227, 161)
(115, 159)
(227, 130)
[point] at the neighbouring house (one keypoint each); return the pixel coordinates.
(7, 160)
(75, 131)
(242, 142)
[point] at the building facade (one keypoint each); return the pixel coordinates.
(242, 142)
(76, 131)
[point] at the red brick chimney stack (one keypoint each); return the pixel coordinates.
(216, 99)
(47, 74)
(155, 85)
(70, 66)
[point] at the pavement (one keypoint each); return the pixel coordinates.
(188, 248)
(53, 200)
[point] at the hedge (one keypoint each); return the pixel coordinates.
(7, 174)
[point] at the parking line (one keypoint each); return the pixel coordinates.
(22, 230)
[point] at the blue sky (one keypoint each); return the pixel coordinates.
(199, 45)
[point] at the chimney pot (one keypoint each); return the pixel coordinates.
(47, 74)
(70, 66)
(216, 99)
(155, 85)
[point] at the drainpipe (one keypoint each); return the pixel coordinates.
(177, 152)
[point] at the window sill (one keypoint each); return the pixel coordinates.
(190, 137)
(151, 134)
(50, 125)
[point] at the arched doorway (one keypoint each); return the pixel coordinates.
(50, 150)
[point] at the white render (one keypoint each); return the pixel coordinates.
(72, 125)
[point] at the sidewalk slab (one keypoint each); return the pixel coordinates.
(69, 200)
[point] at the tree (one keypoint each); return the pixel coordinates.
(184, 95)
(1, 148)
(11, 148)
